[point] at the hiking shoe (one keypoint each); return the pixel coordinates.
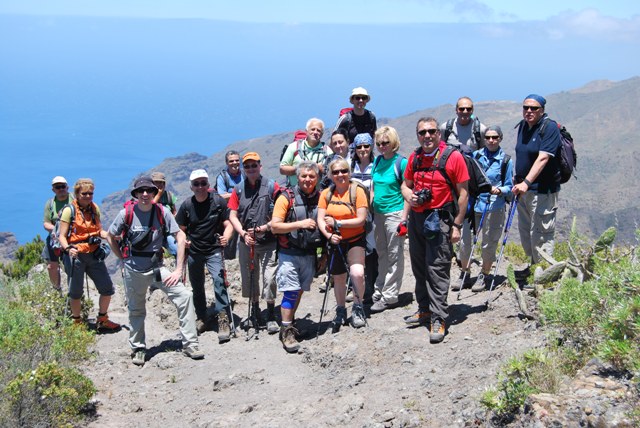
(193, 351)
(381, 305)
(103, 323)
(224, 331)
(288, 338)
(376, 297)
(463, 281)
(201, 326)
(358, 317)
(420, 317)
(437, 331)
(480, 283)
(272, 327)
(339, 320)
(138, 357)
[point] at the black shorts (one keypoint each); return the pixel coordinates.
(338, 266)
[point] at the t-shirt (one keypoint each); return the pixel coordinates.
(315, 154)
(528, 148)
(387, 197)
(441, 192)
(344, 210)
(139, 225)
(170, 203)
(50, 215)
(221, 183)
(203, 221)
(463, 134)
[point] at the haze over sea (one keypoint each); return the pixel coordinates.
(109, 97)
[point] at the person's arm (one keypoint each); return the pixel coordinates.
(533, 173)
(176, 276)
(115, 245)
(407, 193)
(463, 199)
(287, 170)
(227, 234)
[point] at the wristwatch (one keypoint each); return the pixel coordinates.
(527, 182)
(459, 226)
(338, 224)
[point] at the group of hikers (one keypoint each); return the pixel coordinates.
(341, 210)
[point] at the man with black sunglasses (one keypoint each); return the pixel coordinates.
(52, 209)
(465, 132)
(358, 120)
(536, 179)
(436, 187)
(204, 219)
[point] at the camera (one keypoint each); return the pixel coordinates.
(424, 195)
(95, 240)
(102, 252)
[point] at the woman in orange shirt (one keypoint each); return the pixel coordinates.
(342, 211)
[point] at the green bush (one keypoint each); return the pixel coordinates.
(27, 256)
(39, 349)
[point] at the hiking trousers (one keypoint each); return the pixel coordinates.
(265, 265)
(491, 232)
(431, 265)
(213, 263)
(136, 285)
(537, 223)
(390, 249)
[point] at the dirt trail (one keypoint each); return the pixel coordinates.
(385, 374)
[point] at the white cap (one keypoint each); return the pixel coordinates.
(198, 173)
(58, 179)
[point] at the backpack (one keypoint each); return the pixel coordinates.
(476, 133)
(128, 220)
(397, 167)
(303, 239)
(298, 136)
(225, 178)
(566, 154)
(55, 243)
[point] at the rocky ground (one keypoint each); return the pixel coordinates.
(383, 375)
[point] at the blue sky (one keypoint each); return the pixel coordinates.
(588, 13)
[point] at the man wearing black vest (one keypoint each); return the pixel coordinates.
(251, 207)
(203, 218)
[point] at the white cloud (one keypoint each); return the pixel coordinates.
(593, 24)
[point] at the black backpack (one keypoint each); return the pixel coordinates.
(566, 154)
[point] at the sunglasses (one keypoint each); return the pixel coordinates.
(431, 131)
(250, 165)
(531, 108)
(383, 143)
(465, 108)
(340, 171)
(149, 190)
(360, 98)
(491, 137)
(86, 193)
(200, 183)
(60, 186)
(363, 146)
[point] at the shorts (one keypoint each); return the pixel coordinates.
(295, 272)
(96, 270)
(338, 266)
(47, 252)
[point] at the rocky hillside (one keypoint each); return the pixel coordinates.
(8, 246)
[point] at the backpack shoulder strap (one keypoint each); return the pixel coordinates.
(503, 168)
(448, 129)
(476, 132)
(397, 166)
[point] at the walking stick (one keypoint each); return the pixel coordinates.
(473, 247)
(324, 300)
(69, 279)
(512, 211)
(252, 319)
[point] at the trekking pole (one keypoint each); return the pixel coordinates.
(324, 300)
(251, 315)
(354, 288)
(226, 285)
(184, 265)
(507, 226)
(473, 247)
(69, 279)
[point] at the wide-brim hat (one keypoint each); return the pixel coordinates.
(141, 183)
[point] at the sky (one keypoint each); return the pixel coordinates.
(595, 13)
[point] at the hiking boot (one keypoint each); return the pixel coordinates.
(224, 331)
(272, 327)
(480, 284)
(138, 357)
(420, 317)
(358, 317)
(463, 281)
(288, 338)
(339, 320)
(381, 305)
(193, 351)
(437, 331)
(523, 274)
(201, 326)
(103, 323)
